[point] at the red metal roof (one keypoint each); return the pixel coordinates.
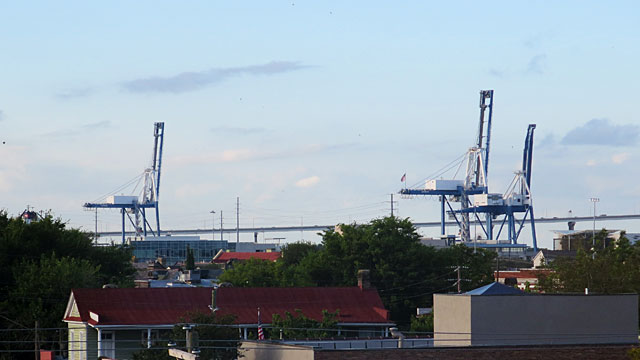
(522, 274)
(355, 305)
(164, 306)
(150, 306)
(226, 256)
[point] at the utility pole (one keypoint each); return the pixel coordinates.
(238, 219)
(95, 234)
(221, 236)
(459, 279)
(37, 342)
(213, 224)
(594, 201)
(392, 205)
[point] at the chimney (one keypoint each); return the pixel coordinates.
(572, 225)
(363, 279)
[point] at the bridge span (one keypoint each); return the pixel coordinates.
(324, 227)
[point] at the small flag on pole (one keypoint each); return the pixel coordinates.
(260, 332)
(403, 178)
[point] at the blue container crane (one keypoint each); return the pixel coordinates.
(517, 199)
(476, 174)
(137, 205)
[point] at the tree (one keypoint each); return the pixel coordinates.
(190, 263)
(252, 273)
(405, 272)
(42, 287)
(609, 270)
(299, 326)
(422, 324)
(42, 261)
(217, 337)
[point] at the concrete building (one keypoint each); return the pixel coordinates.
(497, 315)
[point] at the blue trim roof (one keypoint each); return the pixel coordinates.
(495, 288)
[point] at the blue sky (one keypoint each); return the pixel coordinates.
(311, 112)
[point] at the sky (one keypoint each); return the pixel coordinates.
(311, 112)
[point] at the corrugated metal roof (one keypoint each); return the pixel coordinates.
(226, 256)
(162, 306)
(157, 306)
(355, 305)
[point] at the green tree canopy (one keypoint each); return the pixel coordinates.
(299, 326)
(605, 270)
(190, 264)
(405, 272)
(216, 338)
(42, 262)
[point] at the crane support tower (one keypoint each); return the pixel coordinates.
(149, 199)
(475, 182)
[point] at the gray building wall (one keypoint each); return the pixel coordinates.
(452, 320)
(536, 319)
(254, 350)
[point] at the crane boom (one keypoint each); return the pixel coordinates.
(158, 134)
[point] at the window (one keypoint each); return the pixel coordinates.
(77, 345)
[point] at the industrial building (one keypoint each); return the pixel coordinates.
(173, 249)
(497, 315)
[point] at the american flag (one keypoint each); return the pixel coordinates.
(260, 332)
(403, 178)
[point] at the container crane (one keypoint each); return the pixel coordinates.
(149, 199)
(475, 181)
(516, 199)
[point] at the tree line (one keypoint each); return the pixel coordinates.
(405, 272)
(41, 262)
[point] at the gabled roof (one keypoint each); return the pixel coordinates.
(149, 306)
(495, 289)
(223, 257)
(166, 306)
(356, 305)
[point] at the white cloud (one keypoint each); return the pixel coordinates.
(238, 155)
(591, 162)
(247, 154)
(603, 132)
(620, 158)
(195, 80)
(307, 182)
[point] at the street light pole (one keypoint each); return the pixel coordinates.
(213, 224)
(594, 201)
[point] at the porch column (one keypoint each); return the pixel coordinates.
(148, 338)
(245, 333)
(99, 341)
